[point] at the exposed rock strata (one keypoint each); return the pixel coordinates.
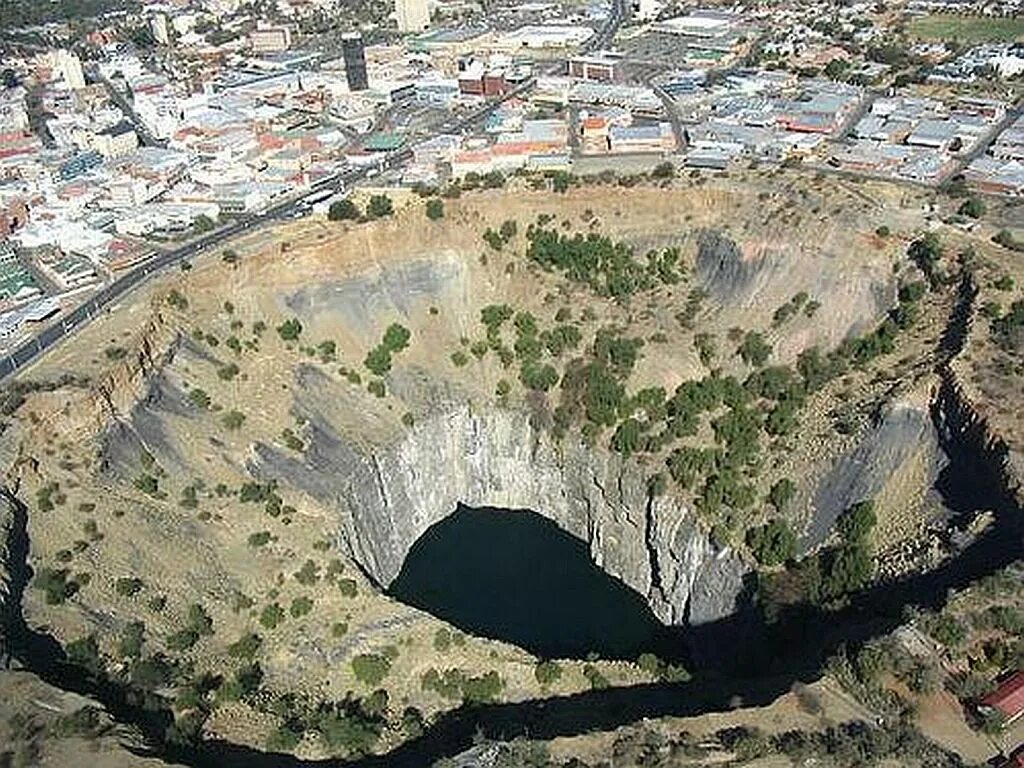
(7, 529)
(393, 493)
(902, 434)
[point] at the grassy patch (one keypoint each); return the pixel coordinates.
(968, 29)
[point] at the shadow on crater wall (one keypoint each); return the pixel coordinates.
(518, 577)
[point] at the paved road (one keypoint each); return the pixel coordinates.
(121, 101)
(84, 313)
(982, 146)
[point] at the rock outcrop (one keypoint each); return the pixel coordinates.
(902, 434)
(7, 529)
(390, 494)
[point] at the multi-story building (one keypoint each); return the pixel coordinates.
(13, 214)
(117, 140)
(354, 53)
(412, 15)
(267, 38)
(161, 29)
(71, 70)
(600, 67)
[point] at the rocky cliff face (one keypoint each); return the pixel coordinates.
(391, 494)
(7, 529)
(902, 434)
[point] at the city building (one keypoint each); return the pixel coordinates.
(700, 23)
(602, 67)
(412, 15)
(353, 52)
(545, 36)
(267, 38)
(13, 214)
(117, 140)
(16, 282)
(641, 138)
(471, 78)
(161, 29)
(647, 10)
(71, 70)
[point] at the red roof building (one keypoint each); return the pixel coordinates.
(1007, 699)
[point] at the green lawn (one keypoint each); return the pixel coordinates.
(967, 29)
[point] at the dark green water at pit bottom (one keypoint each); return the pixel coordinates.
(518, 577)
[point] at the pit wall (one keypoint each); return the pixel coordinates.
(960, 407)
(389, 495)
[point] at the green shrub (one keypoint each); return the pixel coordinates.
(773, 543)
(482, 689)
(300, 607)
(130, 643)
(271, 615)
(289, 330)
(227, 372)
(128, 586)
(947, 630)
(442, 640)
(594, 676)
(247, 646)
(370, 668)
(972, 207)
(182, 640)
(85, 653)
(1006, 239)
(435, 209)
(856, 524)
(754, 350)
(233, 419)
(547, 672)
(379, 207)
(309, 574)
(782, 493)
(341, 210)
(259, 539)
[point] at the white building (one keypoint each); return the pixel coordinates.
(71, 70)
(647, 10)
(160, 28)
(267, 38)
(412, 15)
(117, 140)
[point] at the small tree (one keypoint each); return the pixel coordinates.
(370, 668)
(203, 223)
(435, 209)
(782, 493)
(663, 171)
(379, 207)
(343, 210)
(972, 207)
(547, 672)
(289, 330)
(271, 615)
(773, 543)
(856, 523)
(754, 350)
(233, 419)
